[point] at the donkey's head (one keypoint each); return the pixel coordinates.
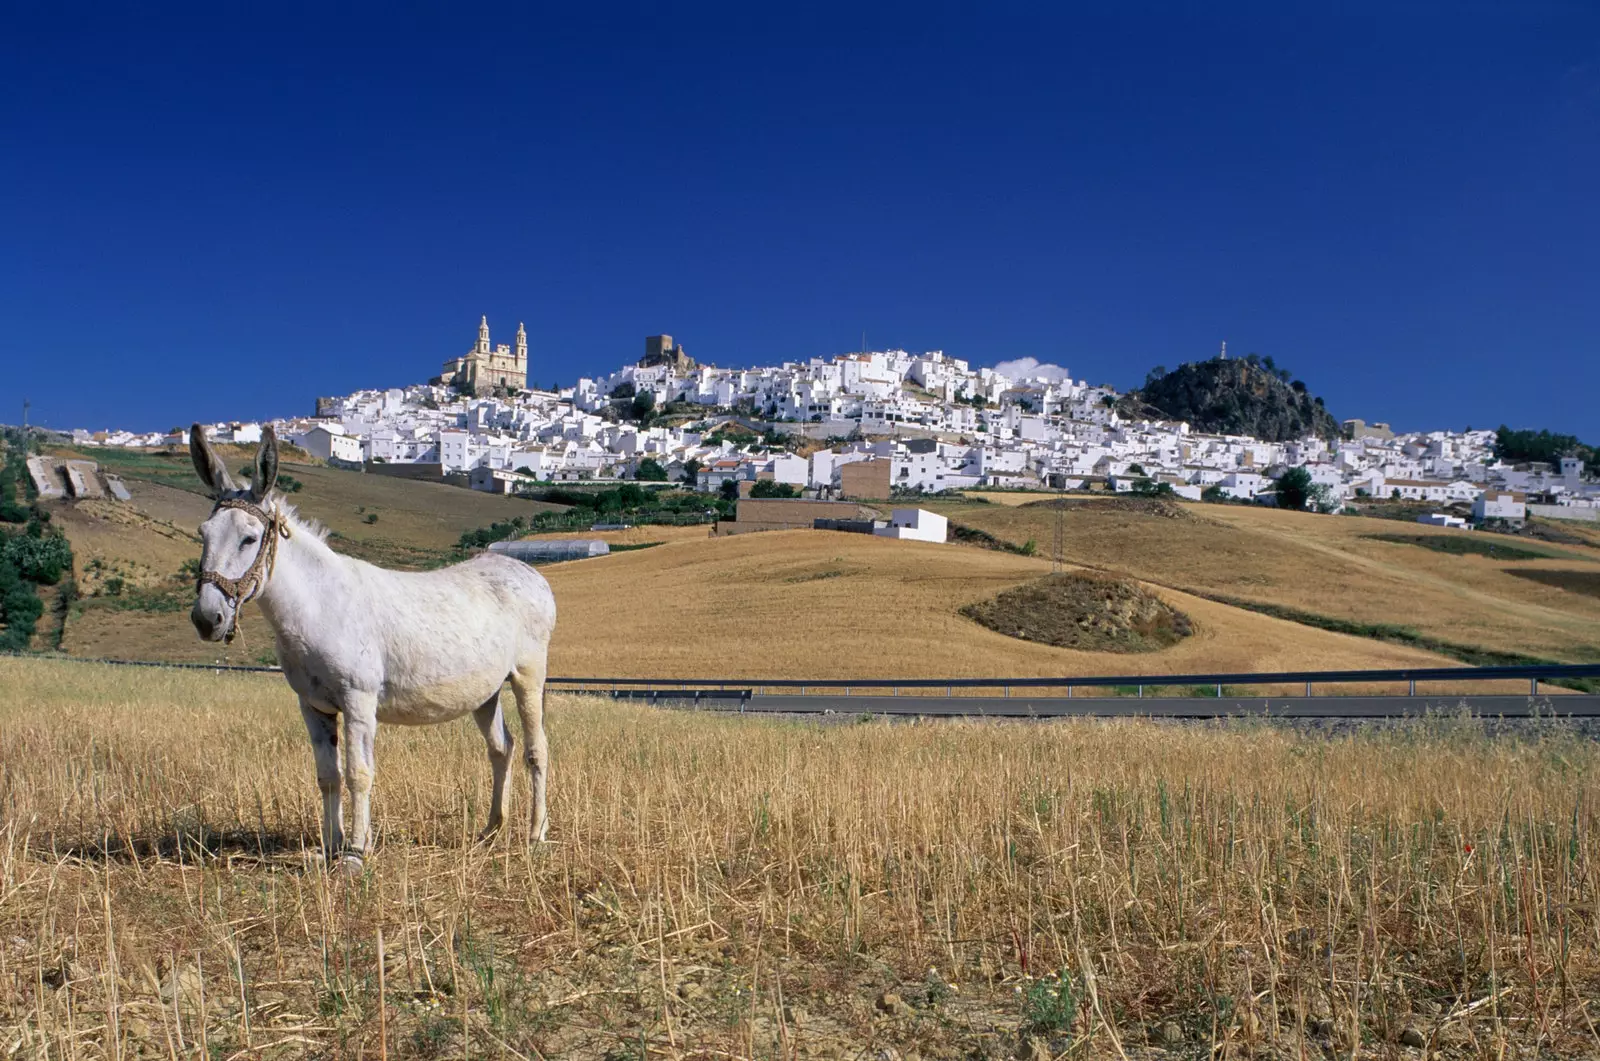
(238, 540)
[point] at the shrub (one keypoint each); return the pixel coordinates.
(36, 557)
(770, 488)
(1049, 1004)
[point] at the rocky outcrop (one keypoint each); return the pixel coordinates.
(1232, 397)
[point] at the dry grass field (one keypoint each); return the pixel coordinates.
(1325, 565)
(832, 605)
(726, 887)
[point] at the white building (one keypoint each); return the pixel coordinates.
(329, 442)
(1496, 504)
(915, 524)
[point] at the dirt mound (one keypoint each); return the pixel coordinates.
(1144, 506)
(1091, 613)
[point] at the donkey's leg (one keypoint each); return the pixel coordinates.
(360, 727)
(492, 721)
(527, 682)
(324, 731)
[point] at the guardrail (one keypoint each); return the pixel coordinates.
(1533, 674)
(847, 687)
(940, 695)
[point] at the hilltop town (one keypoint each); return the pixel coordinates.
(872, 425)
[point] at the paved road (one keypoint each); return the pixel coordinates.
(1575, 706)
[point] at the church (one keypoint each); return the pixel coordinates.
(486, 369)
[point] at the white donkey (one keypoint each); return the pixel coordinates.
(374, 645)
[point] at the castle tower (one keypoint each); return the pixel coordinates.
(522, 347)
(483, 335)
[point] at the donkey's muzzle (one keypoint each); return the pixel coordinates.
(207, 622)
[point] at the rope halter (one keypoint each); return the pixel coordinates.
(244, 589)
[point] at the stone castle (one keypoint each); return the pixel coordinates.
(486, 370)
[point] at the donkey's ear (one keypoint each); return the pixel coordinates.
(213, 473)
(266, 465)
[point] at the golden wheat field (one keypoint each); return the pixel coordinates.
(727, 887)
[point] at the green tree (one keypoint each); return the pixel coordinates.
(772, 488)
(1294, 489)
(643, 407)
(691, 470)
(1543, 445)
(1145, 487)
(650, 471)
(730, 490)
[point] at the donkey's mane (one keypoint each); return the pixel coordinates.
(298, 523)
(301, 525)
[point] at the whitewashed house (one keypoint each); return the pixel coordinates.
(1494, 504)
(915, 524)
(329, 442)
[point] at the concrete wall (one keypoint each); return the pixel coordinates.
(1592, 515)
(46, 479)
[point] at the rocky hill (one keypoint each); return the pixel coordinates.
(1233, 397)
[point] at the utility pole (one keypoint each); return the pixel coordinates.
(1058, 553)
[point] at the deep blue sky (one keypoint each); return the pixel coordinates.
(227, 211)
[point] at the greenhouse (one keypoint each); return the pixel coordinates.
(551, 551)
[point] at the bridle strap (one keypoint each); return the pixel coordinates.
(244, 589)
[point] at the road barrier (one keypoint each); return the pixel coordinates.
(1028, 697)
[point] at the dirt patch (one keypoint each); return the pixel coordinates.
(1086, 612)
(1144, 506)
(1584, 582)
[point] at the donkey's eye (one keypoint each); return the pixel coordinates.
(248, 539)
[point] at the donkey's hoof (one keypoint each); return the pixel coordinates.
(487, 836)
(349, 865)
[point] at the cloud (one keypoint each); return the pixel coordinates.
(1031, 368)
